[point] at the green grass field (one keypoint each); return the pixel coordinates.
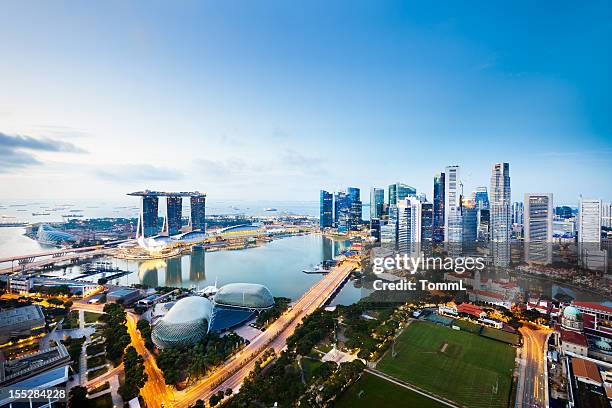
(500, 335)
(92, 317)
(463, 367)
(372, 391)
(467, 326)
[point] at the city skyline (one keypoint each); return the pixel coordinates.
(221, 99)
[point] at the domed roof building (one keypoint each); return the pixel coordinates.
(244, 295)
(603, 345)
(236, 303)
(572, 319)
(185, 324)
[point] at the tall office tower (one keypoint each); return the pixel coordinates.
(173, 216)
(427, 215)
(388, 231)
(438, 208)
(400, 191)
(375, 228)
(589, 222)
(518, 213)
(377, 201)
(404, 191)
(484, 222)
(481, 198)
(589, 236)
(392, 194)
(469, 230)
(355, 207)
(538, 227)
(606, 215)
(564, 212)
(453, 189)
(342, 213)
(198, 211)
(501, 217)
(147, 219)
(409, 215)
(326, 209)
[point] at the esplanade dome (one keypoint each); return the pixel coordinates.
(244, 295)
(185, 324)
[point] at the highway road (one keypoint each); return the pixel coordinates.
(532, 392)
(52, 260)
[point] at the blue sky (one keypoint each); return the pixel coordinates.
(275, 100)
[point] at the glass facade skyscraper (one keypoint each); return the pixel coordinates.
(174, 215)
(438, 208)
(481, 198)
(392, 194)
(453, 190)
(326, 210)
(377, 201)
(538, 227)
(356, 207)
(198, 212)
(342, 212)
(501, 217)
(148, 219)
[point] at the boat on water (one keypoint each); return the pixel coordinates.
(317, 269)
(72, 215)
(270, 209)
(37, 214)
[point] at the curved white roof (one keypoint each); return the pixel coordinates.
(248, 295)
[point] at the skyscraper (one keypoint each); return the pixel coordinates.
(173, 215)
(438, 208)
(589, 235)
(501, 218)
(409, 215)
(399, 191)
(538, 227)
(481, 198)
(388, 231)
(469, 230)
(589, 222)
(606, 215)
(377, 201)
(518, 213)
(356, 207)
(326, 210)
(392, 194)
(147, 219)
(198, 211)
(342, 212)
(375, 228)
(427, 215)
(453, 190)
(404, 191)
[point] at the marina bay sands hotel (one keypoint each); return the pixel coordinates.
(148, 216)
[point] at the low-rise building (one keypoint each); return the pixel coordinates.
(124, 296)
(471, 310)
(574, 342)
(21, 321)
(586, 371)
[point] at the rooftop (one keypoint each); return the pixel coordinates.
(573, 337)
(593, 306)
(586, 369)
(21, 315)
